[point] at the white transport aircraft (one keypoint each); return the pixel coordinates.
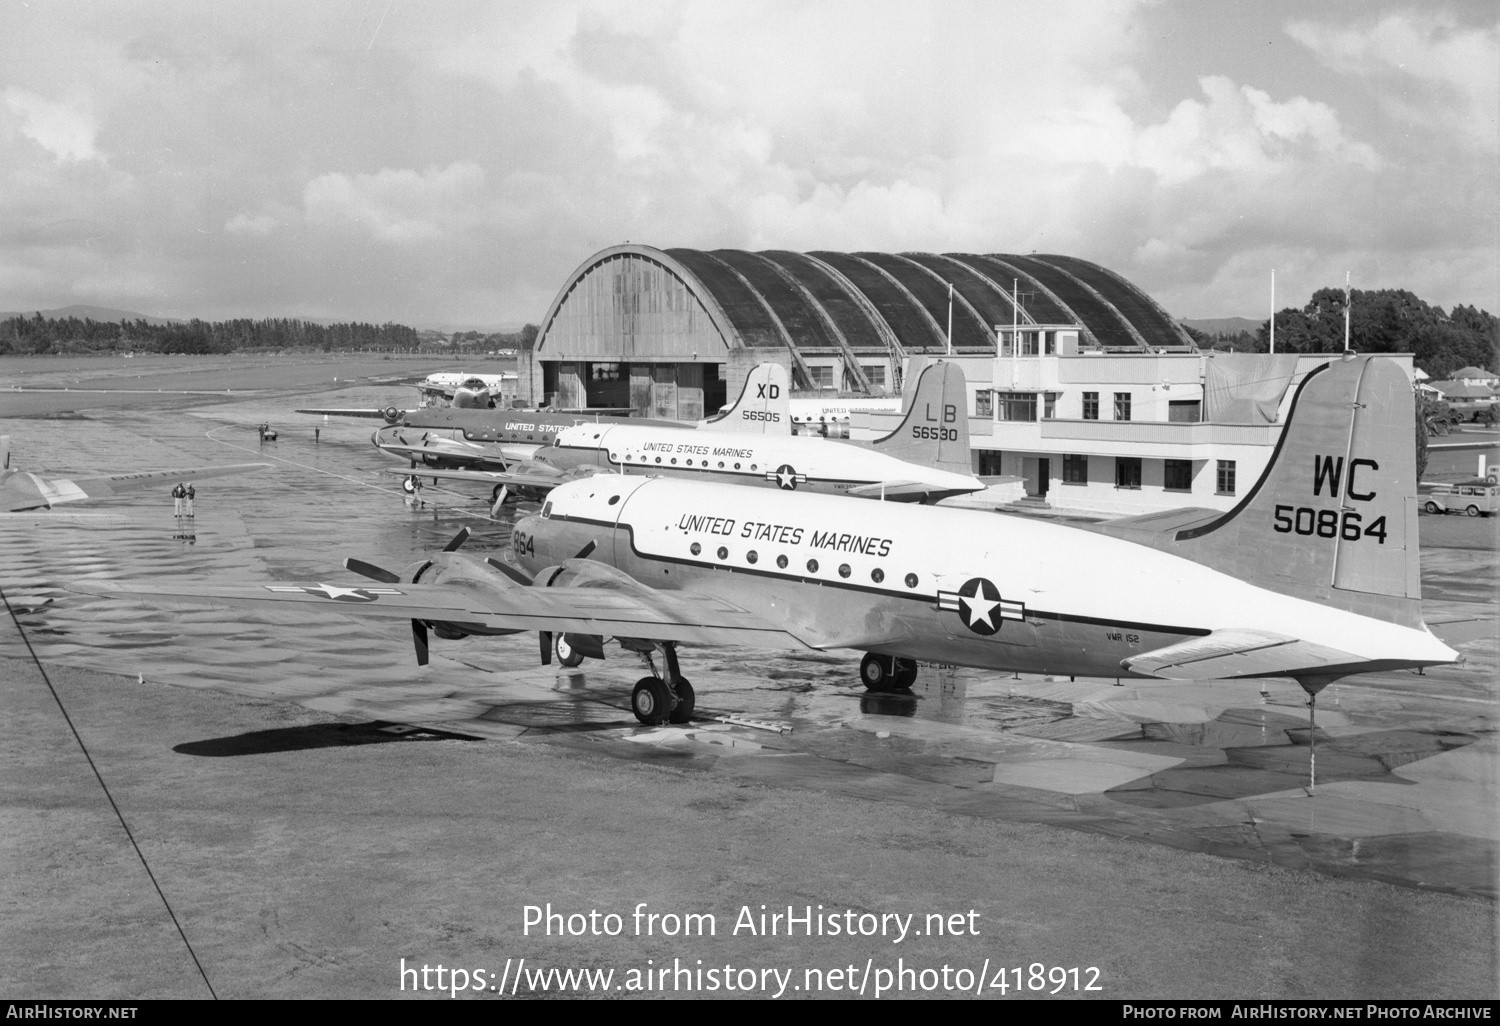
(1313, 575)
(493, 454)
(925, 459)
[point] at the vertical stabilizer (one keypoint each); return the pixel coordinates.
(1333, 518)
(935, 429)
(764, 406)
(4, 453)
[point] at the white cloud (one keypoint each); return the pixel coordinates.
(64, 128)
(1412, 53)
(396, 205)
(1242, 130)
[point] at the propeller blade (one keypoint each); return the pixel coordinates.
(500, 497)
(419, 639)
(583, 553)
(546, 639)
(458, 539)
(514, 573)
(370, 570)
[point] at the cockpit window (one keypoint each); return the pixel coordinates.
(547, 510)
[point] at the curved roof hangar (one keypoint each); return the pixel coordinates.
(635, 301)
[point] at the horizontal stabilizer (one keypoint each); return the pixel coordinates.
(1238, 653)
(1155, 529)
(905, 491)
(1459, 630)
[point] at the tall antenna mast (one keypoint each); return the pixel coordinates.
(1346, 311)
(950, 318)
(1273, 309)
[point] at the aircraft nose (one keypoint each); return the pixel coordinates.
(528, 538)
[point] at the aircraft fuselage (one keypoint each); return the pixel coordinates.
(950, 585)
(784, 462)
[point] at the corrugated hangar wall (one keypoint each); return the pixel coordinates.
(672, 333)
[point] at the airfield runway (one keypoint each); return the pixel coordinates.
(1164, 835)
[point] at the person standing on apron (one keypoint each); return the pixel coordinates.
(191, 491)
(178, 494)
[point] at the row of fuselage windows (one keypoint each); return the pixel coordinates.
(672, 461)
(1177, 475)
(782, 562)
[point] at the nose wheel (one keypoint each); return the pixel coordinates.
(887, 673)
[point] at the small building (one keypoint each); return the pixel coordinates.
(1114, 434)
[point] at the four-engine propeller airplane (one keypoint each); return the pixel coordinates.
(925, 459)
(1313, 575)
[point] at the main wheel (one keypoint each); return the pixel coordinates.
(906, 674)
(875, 672)
(1433, 507)
(408, 484)
(682, 712)
(1473, 511)
(567, 655)
(650, 701)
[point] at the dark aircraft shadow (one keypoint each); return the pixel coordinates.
(315, 735)
(1265, 768)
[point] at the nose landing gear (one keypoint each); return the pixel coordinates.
(887, 673)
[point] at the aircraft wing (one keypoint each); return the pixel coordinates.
(904, 491)
(448, 449)
(383, 414)
(22, 490)
(1238, 653)
(501, 604)
(486, 477)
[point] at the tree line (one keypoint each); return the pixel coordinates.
(1380, 321)
(70, 335)
(38, 335)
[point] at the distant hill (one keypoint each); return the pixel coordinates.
(96, 313)
(1222, 325)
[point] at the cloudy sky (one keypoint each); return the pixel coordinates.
(451, 163)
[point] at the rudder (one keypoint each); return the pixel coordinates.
(764, 406)
(1333, 518)
(935, 429)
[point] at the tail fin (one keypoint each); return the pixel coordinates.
(1334, 516)
(935, 430)
(764, 406)
(4, 453)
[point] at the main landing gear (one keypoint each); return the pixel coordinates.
(887, 673)
(657, 699)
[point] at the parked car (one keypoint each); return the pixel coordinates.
(1472, 499)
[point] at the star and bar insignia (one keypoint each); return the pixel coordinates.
(336, 593)
(786, 477)
(979, 605)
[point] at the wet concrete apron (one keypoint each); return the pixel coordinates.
(1406, 764)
